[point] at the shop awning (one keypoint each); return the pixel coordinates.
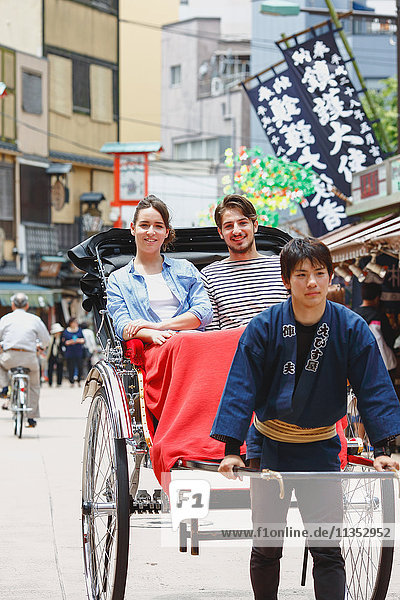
(354, 241)
(39, 297)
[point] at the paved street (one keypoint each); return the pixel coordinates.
(40, 543)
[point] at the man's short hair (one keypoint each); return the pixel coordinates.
(300, 249)
(235, 201)
(20, 300)
(370, 291)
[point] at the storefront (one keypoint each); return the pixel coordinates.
(41, 300)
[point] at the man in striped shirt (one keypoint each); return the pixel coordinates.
(247, 282)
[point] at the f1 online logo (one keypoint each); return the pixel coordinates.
(189, 499)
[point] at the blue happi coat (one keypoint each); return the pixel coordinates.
(262, 379)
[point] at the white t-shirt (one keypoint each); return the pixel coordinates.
(162, 300)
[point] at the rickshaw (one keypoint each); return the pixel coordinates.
(119, 422)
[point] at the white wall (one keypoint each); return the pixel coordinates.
(185, 196)
(21, 25)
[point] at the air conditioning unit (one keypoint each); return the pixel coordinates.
(217, 86)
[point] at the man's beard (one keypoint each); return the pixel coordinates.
(241, 249)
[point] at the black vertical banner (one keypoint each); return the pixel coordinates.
(347, 138)
(295, 134)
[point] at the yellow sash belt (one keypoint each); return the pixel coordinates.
(287, 432)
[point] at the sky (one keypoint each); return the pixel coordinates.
(385, 7)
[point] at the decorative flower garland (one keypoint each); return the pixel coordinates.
(272, 184)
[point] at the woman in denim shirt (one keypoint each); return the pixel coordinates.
(154, 296)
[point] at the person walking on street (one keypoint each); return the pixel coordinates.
(89, 348)
(55, 355)
(20, 333)
(73, 341)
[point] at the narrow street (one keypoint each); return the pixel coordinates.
(40, 545)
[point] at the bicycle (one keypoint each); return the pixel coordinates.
(19, 397)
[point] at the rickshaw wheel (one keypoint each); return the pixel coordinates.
(367, 503)
(105, 506)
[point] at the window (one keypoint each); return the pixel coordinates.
(211, 149)
(7, 199)
(175, 75)
(31, 93)
(81, 86)
(101, 87)
(60, 85)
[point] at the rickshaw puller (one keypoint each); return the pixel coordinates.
(291, 368)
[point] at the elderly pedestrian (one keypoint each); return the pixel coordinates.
(55, 355)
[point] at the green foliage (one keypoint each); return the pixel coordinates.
(385, 101)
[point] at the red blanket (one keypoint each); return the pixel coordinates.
(185, 378)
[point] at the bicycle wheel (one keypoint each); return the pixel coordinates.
(17, 402)
(105, 506)
(367, 503)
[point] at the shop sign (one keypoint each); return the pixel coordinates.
(49, 269)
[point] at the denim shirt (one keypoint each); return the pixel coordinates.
(128, 299)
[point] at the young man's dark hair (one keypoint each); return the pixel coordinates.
(235, 201)
(299, 250)
(370, 291)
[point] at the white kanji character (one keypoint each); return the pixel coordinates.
(312, 365)
(364, 127)
(316, 353)
(284, 109)
(289, 368)
(261, 110)
(310, 160)
(369, 139)
(300, 56)
(340, 135)
(318, 77)
(297, 135)
(280, 151)
(275, 139)
(351, 163)
(288, 330)
(340, 70)
(349, 91)
(281, 83)
(320, 49)
(265, 121)
(271, 130)
(336, 59)
(323, 186)
(379, 160)
(344, 81)
(354, 103)
(331, 214)
(359, 114)
(265, 93)
(323, 330)
(375, 151)
(330, 107)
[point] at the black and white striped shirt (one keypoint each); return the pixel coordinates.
(241, 289)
